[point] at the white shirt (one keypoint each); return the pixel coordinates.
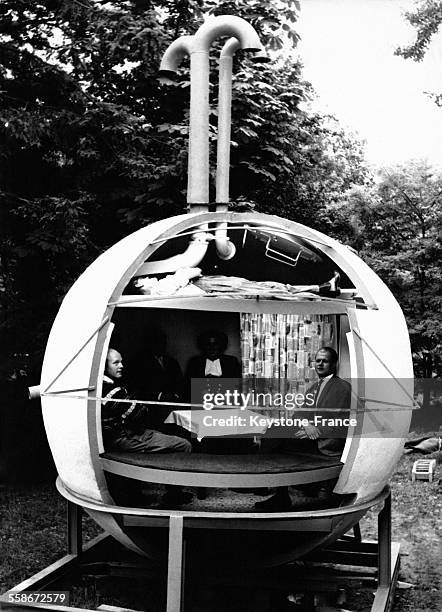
(213, 368)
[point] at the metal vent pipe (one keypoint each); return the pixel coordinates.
(198, 47)
(226, 249)
(213, 28)
(173, 56)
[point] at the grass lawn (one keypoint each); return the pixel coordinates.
(32, 530)
(417, 523)
(32, 534)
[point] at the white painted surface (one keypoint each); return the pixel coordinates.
(373, 455)
(80, 315)
(71, 423)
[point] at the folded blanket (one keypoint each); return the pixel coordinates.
(236, 285)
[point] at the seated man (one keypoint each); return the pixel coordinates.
(123, 424)
(329, 391)
(213, 364)
(157, 376)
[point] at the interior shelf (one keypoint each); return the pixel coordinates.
(225, 304)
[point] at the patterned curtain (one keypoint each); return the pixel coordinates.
(281, 349)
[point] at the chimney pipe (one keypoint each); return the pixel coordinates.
(212, 28)
(226, 249)
(197, 47)
(173, 57)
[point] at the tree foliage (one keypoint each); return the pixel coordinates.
(94, 147)
(426, 18)
(396, 227)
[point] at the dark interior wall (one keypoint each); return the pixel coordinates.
(182, 328)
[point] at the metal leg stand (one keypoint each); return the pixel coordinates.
(75, 532)
(388, 561)
(176, 562)
(384, 544)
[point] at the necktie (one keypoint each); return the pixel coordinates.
(318, 389)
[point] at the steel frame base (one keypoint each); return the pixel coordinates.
(322, 571)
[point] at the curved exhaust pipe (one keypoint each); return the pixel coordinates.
(227, 25)
(197, 47)
(172, 58)
(212, 28)
(225, 248)
(199, 243)
(190, 258)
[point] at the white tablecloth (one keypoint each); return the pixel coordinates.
(205, 423)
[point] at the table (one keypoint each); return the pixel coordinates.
(218, 423)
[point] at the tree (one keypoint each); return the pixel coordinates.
(426, 19)
(396, 227)
(94, 146)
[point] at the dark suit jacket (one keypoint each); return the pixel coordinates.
(336, 394)
(230, 367)
(153, 381)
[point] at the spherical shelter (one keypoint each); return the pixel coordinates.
(373, 344)
(370, 336)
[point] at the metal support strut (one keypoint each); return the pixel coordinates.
(388, 561)
(100, 554)
(176, 565)
(74, 529)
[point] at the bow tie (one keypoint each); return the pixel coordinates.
(213, 368)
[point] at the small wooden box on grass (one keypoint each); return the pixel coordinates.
(423, 469)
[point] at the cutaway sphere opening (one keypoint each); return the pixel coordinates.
(276, 286)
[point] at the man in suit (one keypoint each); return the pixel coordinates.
(157, 376)
(329, 391)
(213, 363)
